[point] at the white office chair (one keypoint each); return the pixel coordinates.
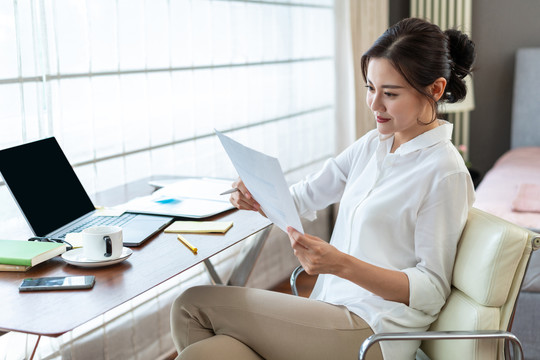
(491, 261)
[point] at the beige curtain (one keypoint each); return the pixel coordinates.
(369, 19)
(358, 24)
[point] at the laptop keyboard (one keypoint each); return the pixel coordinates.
(98, 220)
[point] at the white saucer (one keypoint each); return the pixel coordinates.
(76, 257)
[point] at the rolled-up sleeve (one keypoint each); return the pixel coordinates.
(441, 220)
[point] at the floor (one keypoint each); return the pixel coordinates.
(304, 285)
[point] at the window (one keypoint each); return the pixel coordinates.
(133, 88)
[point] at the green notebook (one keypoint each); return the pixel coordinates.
(28, 253)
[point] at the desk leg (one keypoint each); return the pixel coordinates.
(245, 262)
(35, 347)
(214, 277)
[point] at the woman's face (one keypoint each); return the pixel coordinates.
(396, 105)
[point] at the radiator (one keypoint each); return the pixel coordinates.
(451, 14)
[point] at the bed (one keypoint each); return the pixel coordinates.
(511, 189)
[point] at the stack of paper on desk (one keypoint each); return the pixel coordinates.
(188, 198)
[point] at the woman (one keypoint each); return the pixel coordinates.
(404, 195)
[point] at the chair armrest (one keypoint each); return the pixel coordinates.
(444, 335)
(536, 240)
(294, 275)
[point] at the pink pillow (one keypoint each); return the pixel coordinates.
(527, 198)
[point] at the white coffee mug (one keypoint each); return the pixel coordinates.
(102, 242)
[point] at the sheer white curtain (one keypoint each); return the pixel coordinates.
(133, 88)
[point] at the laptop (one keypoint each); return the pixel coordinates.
(53, 200)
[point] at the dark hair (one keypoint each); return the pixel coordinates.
(421, 52)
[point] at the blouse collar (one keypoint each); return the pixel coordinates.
(424, 140)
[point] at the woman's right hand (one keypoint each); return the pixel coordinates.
(242, 198)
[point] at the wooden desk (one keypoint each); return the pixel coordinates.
(53, 313)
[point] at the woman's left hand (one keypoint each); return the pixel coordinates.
(316, 255)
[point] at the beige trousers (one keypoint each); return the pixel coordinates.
(226, 322)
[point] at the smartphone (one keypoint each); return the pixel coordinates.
(58, 283)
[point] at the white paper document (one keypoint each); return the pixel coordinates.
(196, 198)
(264, 179)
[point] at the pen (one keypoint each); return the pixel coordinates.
(185, 242)
(230, 191)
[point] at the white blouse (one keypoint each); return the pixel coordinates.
(401, 211)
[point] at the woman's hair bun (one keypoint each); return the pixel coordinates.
(462, 55)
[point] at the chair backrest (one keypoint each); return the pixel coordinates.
(490, 264)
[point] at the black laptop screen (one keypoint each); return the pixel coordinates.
(44, 185)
